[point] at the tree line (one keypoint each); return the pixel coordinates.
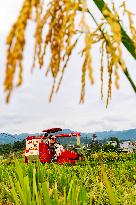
(7, 149)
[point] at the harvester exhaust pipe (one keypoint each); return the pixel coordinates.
(78, 140)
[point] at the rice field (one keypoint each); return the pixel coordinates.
(101, 179)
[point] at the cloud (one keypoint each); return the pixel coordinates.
(115, 118)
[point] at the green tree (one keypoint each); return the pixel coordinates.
(5, 149)
(114, 139)
(109, 148)
(95, 147)
(19, 145)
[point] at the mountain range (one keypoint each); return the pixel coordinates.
(6, 138)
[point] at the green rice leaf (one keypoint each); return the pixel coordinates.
(126, 40)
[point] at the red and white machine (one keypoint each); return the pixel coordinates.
(37, 147)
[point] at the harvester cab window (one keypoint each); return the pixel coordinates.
(45, 134)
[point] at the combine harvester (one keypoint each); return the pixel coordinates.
(46, 149)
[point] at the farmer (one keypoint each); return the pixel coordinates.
(55, 147)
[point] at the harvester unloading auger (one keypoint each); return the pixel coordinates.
(46, 149)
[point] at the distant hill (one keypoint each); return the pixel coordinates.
(6, 138)
(122, 135)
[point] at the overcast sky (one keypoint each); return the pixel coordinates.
(29, 109)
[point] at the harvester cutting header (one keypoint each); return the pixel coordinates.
(46, 149)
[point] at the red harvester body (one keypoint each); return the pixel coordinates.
(38, 148)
